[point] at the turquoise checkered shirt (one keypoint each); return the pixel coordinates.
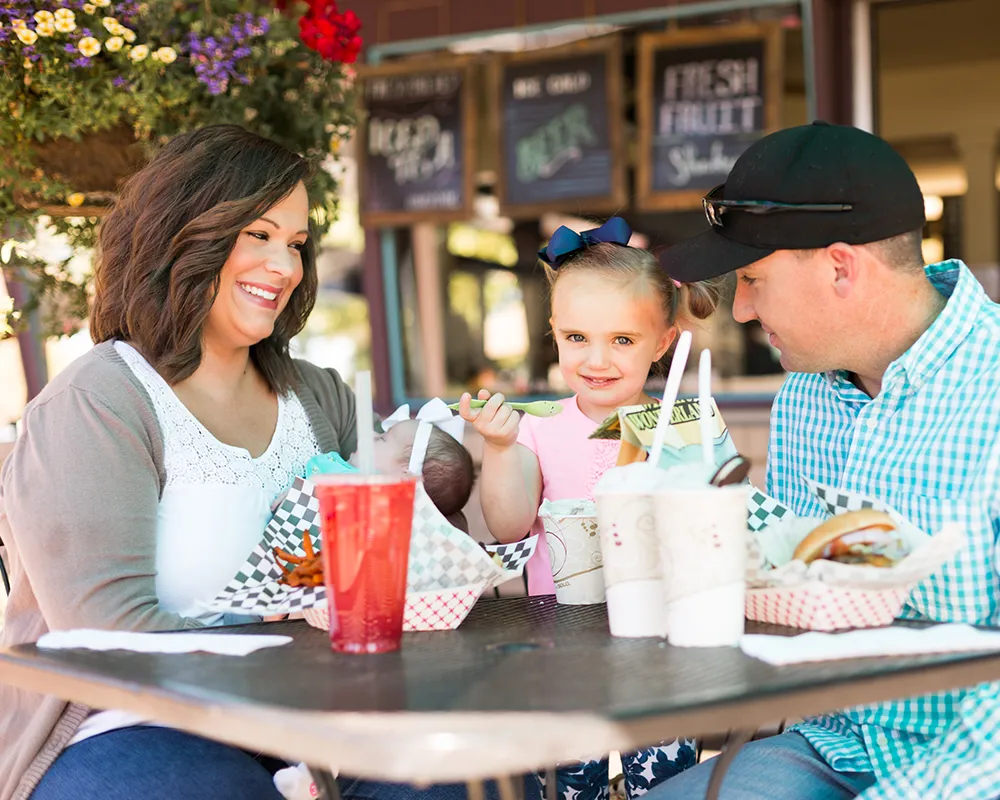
(928, 445)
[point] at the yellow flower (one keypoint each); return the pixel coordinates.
(89, 8)
(114, 44)
(89, 46)
(65, 25)
(44, 17)
(45, 29)
(26, 35)
(128, 35)
(65, 13)
(166, 54)
(111, 25)
(102, 3)
(18, 23)
(76, 199)
(139, 52)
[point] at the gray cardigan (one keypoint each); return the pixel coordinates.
(78, 501)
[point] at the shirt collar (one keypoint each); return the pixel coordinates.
(932, 350)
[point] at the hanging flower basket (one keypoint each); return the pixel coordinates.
(89, 88)
(93, 165)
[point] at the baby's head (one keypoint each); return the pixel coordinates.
(448, 471)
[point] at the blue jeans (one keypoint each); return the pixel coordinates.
(783, 767)
(155, 764)
(150, 763)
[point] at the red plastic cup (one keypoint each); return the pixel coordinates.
(365, 522)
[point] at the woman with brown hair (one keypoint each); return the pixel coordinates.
(146, 469)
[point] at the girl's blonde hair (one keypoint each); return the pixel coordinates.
(630, 265)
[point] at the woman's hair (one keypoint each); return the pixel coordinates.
(172, 228)
(449, 475)
(632, 265)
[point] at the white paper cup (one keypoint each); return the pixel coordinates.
(702, 534)
(632, 573)
(574, 553)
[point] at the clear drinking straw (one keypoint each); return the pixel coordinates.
(677, 365)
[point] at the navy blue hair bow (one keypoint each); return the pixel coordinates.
(565, 242)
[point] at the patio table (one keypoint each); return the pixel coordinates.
(522, 684)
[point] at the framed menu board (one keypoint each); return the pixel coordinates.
(704, 96)
(558, 125)
(416, 140)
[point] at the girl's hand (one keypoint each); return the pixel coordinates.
(496, 421)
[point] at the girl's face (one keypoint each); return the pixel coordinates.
(608, 336)
(262, 271)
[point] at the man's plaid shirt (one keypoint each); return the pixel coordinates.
(928, 445)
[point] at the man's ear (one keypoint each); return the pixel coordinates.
(845, 263)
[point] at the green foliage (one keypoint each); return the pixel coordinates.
(74, 75)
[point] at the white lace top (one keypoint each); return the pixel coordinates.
(215, 505)
(217, 497)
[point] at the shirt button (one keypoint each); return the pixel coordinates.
(870, 424)
(881, 740)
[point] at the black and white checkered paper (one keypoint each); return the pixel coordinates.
(441, 557)
(763, 510)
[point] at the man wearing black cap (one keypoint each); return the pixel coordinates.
(893, 392)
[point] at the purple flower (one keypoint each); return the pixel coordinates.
(82, 61)
(119, 82)
(215, 56)
(70, 48)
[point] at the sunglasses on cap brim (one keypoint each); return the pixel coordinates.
(716, 206)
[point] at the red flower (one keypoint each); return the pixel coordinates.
(331, 34)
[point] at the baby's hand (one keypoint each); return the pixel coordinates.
(496, 421)
(278, 501)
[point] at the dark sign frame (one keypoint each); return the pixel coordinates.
(469, 140)
(611, 48)
(770, 35)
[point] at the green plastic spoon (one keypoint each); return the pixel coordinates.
(538, 408)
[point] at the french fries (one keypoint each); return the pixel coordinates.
(305, 570)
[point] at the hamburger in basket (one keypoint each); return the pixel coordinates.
(854, 569)
(866, 537)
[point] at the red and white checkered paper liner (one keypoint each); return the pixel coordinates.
(441, 558)
(821, 607)
(829, 596)
(425, 611)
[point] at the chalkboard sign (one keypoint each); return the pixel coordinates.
(415, 158)
(559, 129)
(704, 97)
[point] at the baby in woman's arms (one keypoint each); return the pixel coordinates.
(412, 446)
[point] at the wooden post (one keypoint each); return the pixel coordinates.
(430, 307)
(30, 340)
(374, 290)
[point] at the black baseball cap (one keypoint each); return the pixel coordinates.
(798, 189)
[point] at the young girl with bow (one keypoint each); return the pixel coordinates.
(615, 313)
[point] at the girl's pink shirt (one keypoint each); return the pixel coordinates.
(571, 464)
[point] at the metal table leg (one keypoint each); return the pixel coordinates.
(551, 784)
(736, 741)
(475, 790)
(508, 790)
(326, 783)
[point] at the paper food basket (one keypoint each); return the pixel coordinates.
(828, 596)
(448, 570)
